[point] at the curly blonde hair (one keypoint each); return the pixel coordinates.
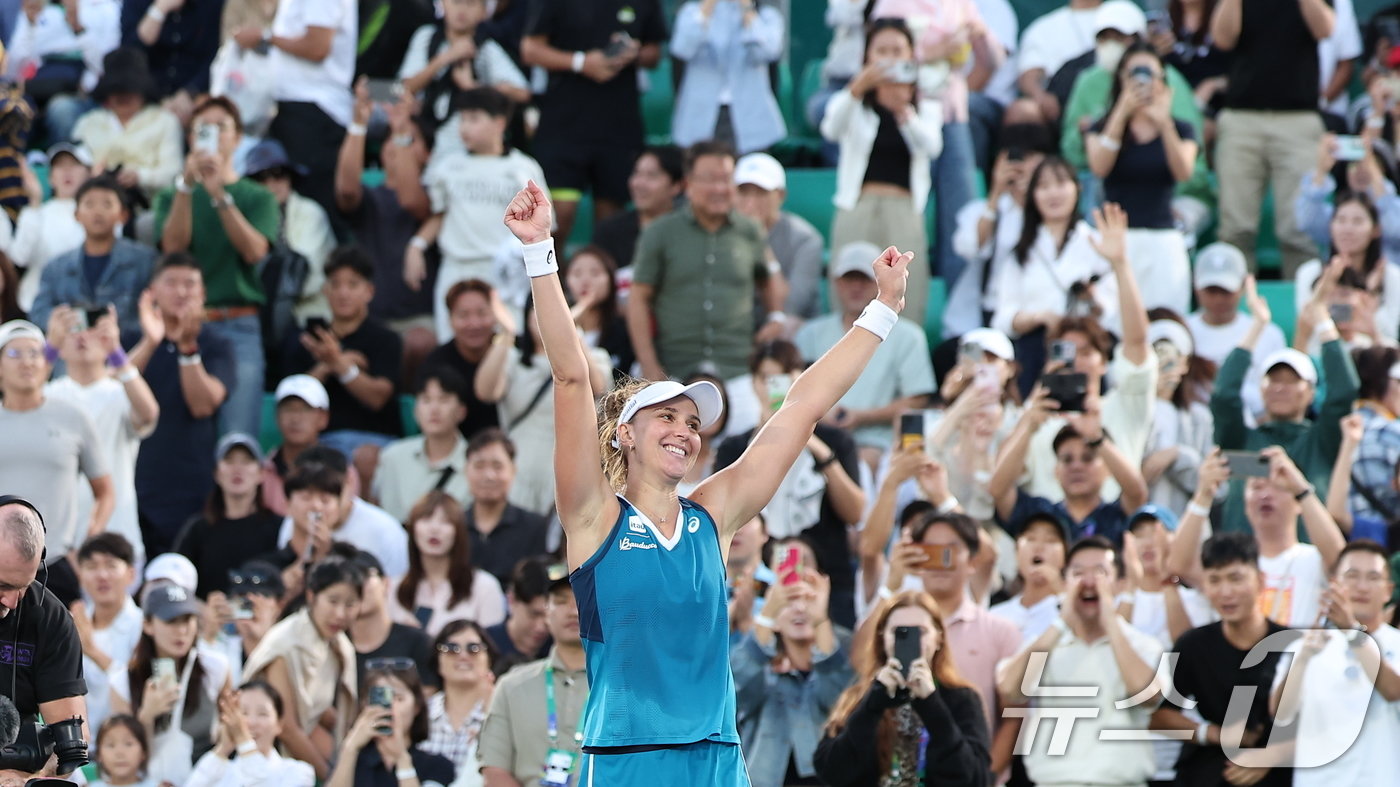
(609, 408)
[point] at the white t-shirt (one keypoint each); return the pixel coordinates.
(1214, 343)
(109, 409)
(41, 234)
(467, 188)
(1334, 689)
(326, 84)
(1150, 613)
(1293, 583)
(118, 640)
(1032, 620)
(372, 529)
(1057, 38)
(1344, 44)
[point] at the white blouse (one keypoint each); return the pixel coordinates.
(1044, 281)
(251, 770)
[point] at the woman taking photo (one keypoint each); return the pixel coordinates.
(441, 583)
(382, 748)
(1354, 237)
(170, 685)
(788, 672)
(889, 135)
(1058, 271)
(1323, 190)
(465, 656)
(308, 658)
(1141, 152)
(235, 526)
(651, 584)
(881, 721)
(249, 723)
(1183, 429)
(591, 281)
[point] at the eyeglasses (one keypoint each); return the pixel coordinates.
(28, 355)
(455, 649)
(392, 664)
(1358, 578)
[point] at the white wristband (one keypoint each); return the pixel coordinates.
(247, 747)
(763, 620)
(884, 592)
(155, 13)
(1201, 733)
(539, 259)
(419, 243)
(127, 375)
(1195, 509)
(577, 65)
(350, 374)
(947, 506)
(406, 774)
(356, 130)
(877, 318)
(1109, 143)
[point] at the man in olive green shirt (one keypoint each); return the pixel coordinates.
(228, 224)
(695, 276)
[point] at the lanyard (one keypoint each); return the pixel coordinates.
(553, 718)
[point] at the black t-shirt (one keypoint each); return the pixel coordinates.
(396, 21)
(828, 533)
(384, 228)
(370, 770)
(617, 235)
(403, 642)
(519, 534)
(508, 655)
(40, 652)
(480, 415)
(217, 548)
(1061, 83)
(1141, 179)
(889, 156)
(574, 108)
(384, 350)
(175, 469)
(1275, 60)
(1197, 62)
(1208, 670)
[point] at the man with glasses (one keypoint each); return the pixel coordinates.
(379, 641)
(53, 444)
(1089, 645)
(228, 223)
(537, 710)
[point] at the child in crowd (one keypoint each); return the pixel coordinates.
(464, 187)
(47, 229)
(108, 622)
(122, 753)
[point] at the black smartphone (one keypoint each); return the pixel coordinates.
(1340, 312)
(908, 646)
(314, 325)
(1068, 389)
(1063, 351)
(423, 615)
(384, 91)
(383, 697)
(911, 429)
(1246, 464)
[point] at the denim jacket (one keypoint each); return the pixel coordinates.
(781, 715)
(127, 274)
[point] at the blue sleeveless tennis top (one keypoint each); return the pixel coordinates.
(654, 617)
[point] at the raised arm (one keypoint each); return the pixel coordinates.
(1225, 24)
(1339, 487)
(1322, 531)
(1183, 559)
(586, 501)
(1112, 223)
(739, 491)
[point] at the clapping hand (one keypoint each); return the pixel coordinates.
(1258, 307)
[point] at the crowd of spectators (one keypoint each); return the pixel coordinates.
(270, 369)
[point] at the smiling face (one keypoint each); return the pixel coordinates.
(1365, 580)
(1233, 590)
(258, 712)
(665, 436)
(173, 639)
(1086, 568)
(1056, 194)
(472, 321)
(710, 187)
(435, 534)
(1286, 394)
(652, 189)
(464, 668)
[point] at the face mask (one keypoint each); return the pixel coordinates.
(1108, 53)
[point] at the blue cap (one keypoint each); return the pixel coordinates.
(266, 155)
(1162, 514)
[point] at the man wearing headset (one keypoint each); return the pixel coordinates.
(41, 657)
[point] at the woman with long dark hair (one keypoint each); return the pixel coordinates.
(1183, 429)
(171, 685)
(235, 526)
(1355, 238)
(1141, 152)
(250, 722)
(441, 584)
(893, 710)
(465, 657)
(591, 280)
(1183, 40)
(384, 747)
(889, 136)
(1058, 271)
(516, 378)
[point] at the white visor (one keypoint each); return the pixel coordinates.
(704, 394)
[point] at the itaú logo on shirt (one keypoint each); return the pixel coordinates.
(627, 543)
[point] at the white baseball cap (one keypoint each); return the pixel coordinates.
(762, 170)
(1294, 360)
(19, 329)
(306, 388)
(1120, 15)
(990, 340)
(855, 257)
(175, 568)
(1173, 332)
(1221, 265)
(704, 394)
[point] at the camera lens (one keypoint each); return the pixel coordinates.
(68, 744)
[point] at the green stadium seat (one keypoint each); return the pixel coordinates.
(410, 424)
(270, 438)
(808, 87)
(809, 193)
(1279, 295)
(657, 102)
(933, 317)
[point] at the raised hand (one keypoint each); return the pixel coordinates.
(1258, 307)
(1112, 243)
(1353, 427)
(892, 276)
(364, 107)
(1283, 473)
(529, 216)
(1213, 472)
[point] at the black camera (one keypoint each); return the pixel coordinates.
(30, 752)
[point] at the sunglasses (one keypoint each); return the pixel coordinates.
(453, 648)
(392, 664)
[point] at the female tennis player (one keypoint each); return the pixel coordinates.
(648, 566)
